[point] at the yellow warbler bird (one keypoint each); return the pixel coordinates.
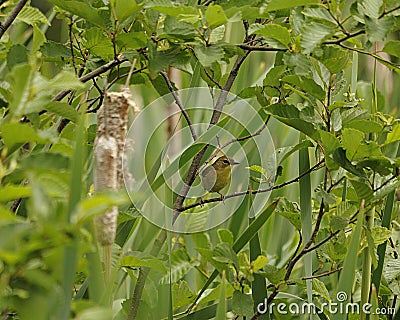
(217, 176)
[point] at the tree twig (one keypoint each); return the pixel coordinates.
(237, 194)
(179, 104)
(13, 15)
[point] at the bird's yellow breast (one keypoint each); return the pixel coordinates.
(214, 179)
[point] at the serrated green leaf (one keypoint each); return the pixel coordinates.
(378, 29)
(38, 39)
(17, 55)
(365, 125)
(257, 168)
(125, 8)
(215, 16)
(45, 160)
(182, 294)
(320, 289)
(62, 109)
(351, 141)
(290, 115)
(363, 190)
(226, 236)
(132, 40)
(312, 34)
(208, 55)
(31, 16)
(392, 47)
(393, 135)
(306, 84)
(54, 49)
(242, 304)
(259, 263)
(275, 31)
(131, 261)
(338, 223)
(329, 142)
(82, 9)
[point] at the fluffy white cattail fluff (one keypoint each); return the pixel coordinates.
(112, 121)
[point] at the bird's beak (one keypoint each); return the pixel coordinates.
(233, 162)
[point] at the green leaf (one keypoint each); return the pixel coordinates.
(275, 31)
(180, 266)
(378, 29)
(338, 223)
(380, 234)
(365, 125)
(132, 40)
(98, 43)
(32, 16)
(132, 261)
(224, 253)
(208, 55)
(242, 304)
(82, 9)
(339, 155)
(320, 289)
(363, 190)
(45, 160)
(274, 5)
(351, 140)
(225, 236)
(38, 39)
(393, 135)
(329, 142)
(14, 133)
(215, 16)
(12, 192)
(55, 49)
(312, 34)
(16, 55)
(62, 109)
(283, 153)
(273, 274)
(125, 9)
(392, 47)
(335, 58)
(306, 84)
(64, 79)
(290, 115)
(370, 8)
(259, 263)
(182, 294)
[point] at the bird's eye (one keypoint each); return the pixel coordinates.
(226, 161)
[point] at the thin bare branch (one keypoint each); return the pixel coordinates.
(237, 194)
(13, 15)
(179, 104)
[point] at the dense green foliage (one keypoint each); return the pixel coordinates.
(323, 75)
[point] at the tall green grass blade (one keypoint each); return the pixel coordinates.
(348, 272)
(70, 258)
(306, 213)
(367, 263)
